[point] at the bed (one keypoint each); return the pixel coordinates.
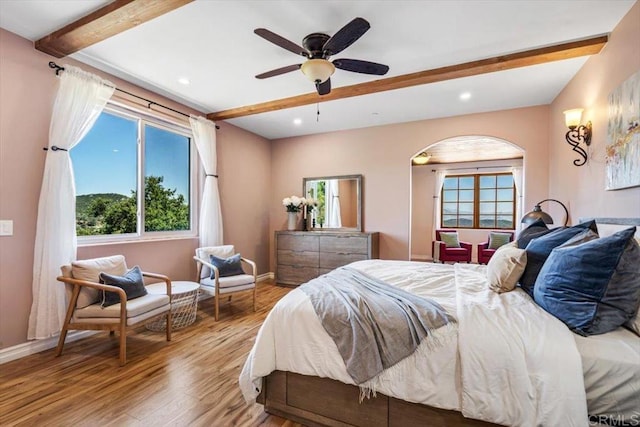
(496, 368)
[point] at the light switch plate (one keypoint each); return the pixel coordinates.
(6, 227)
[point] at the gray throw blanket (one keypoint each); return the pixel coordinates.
(374, 325)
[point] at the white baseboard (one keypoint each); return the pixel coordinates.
(265, 276)
(421, 258)
(32, 347)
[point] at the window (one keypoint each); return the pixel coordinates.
(479, 201)
(133, 178)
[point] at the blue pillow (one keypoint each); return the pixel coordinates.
(536, 229)
(231, 266)
(132, 283)
(593, 287)
(538, 250)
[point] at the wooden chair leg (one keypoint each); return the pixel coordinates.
(169, 325)
(254, 299)
(123, 344)
(63, 336)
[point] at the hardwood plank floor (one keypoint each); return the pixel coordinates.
(190, 381)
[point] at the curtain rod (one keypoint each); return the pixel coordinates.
(58, 68)
(476, 168)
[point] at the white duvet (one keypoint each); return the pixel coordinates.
(512, 363)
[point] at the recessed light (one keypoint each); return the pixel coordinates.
(297, 122)
(184, 81)
(465, 96)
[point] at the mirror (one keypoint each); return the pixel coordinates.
(339, 204)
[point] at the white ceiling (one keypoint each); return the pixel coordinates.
(211, 42)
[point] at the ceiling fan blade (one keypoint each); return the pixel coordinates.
(279, 71)
(281, 41)
(324, 88)
(364, 67)
(346, 36)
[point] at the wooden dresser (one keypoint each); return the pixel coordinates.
(303, 255)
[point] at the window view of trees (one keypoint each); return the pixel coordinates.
(107, 176)
(99, 214)
(479, 201)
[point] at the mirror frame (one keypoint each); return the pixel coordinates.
(358, 179)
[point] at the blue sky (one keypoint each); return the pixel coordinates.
(105, 160)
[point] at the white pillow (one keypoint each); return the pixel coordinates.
(90, 269)
(505, 267)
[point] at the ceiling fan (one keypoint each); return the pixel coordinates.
(318, 47)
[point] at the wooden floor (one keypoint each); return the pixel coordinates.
(190, 381)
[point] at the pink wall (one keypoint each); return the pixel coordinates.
(27, 91)
(583, 187)
(382, 155)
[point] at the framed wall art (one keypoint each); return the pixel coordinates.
(623, 135)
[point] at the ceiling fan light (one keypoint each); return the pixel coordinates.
(318, 70)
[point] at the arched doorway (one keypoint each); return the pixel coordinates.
(460, 155)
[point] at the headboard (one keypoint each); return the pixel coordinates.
(608, 226)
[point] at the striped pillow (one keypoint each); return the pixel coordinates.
(498, 239)
(450, 239)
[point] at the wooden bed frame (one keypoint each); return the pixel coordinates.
(315, 401)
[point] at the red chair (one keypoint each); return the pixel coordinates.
(461, 254)
(484, 253)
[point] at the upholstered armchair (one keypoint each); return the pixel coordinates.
(88, 308)
(448, 248)
(220, 271)
(495, 239)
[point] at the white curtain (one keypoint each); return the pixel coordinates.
(210, 227)
(517, 180)
(80, 99)
(437, 220)
(332, 202)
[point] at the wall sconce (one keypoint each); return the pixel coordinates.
(422, 158)
(537, 213)
(577, 134)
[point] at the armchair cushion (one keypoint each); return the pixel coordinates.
(231, 266)
(450, 239)
(135, 307)
(230, 281)
(497, 239)
(90, 270)
(132, 283)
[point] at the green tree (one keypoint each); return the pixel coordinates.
(120, 216)
(164, 209)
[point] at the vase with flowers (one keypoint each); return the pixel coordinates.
(293, 204)
(309, 209)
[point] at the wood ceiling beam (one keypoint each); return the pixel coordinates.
(105, 22)
(527, 58)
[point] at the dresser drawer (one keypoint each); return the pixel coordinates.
(331, 260)
(297, 242)
(344, 244)
(298, 258)
(294, 275)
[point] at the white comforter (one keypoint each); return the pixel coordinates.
(512, 363)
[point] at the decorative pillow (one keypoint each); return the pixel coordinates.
(497, 239)
(537, 229)
(593, 287)
(90, 269)
(450, 239)
(505, 267)
(539, 249)
(132, 283)
(231, 266)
